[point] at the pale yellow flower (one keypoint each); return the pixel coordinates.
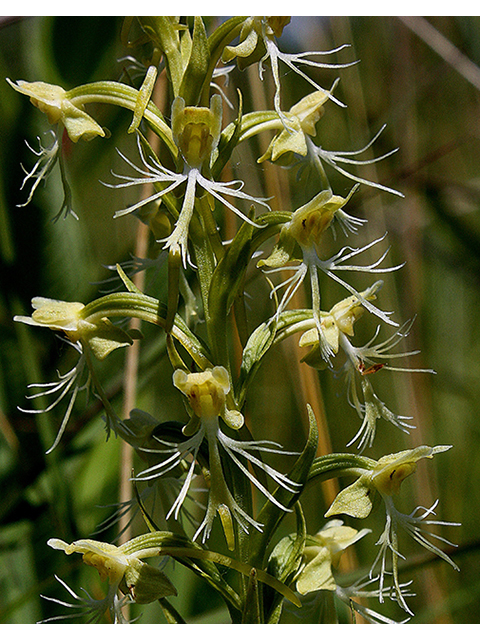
(386, 477)
(302, 120)
(53, 100)
(124, 570)
(322, 553)
(207, 395)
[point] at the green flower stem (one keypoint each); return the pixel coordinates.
(291, 329)
(241, 567)
(174, 269)
(334, 465)
(158, 540)
(254, 123)
(270, 224)
(171, 614)
(263, 338)
(121, 95)
(138, 305)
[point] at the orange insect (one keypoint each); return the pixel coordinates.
(365, 371)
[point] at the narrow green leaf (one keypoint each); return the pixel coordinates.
(171, 614)
(164, 32)
(284, 562)
(228, 142)
(251, 608)
(195, 74)
(217, 41)
(271, 515)
(226, 280)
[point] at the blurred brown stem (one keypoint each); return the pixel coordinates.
(445, 49)
(133, 352)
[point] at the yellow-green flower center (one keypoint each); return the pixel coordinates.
(205, 391)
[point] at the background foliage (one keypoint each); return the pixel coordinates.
(430, 102)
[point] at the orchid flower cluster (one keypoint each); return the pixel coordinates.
(209, 456)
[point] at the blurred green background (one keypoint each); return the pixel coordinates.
(424, 84)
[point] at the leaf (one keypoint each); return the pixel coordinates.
(271, 515)
(225, 284)
(228, 141)
(223, 35)
(282, 252)
(263, 338)
(356, 499)
(251, 608)
(163, 30)
(147, 583)
(106, 337)
(285, 561)
(287, 554)
(197, 68)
